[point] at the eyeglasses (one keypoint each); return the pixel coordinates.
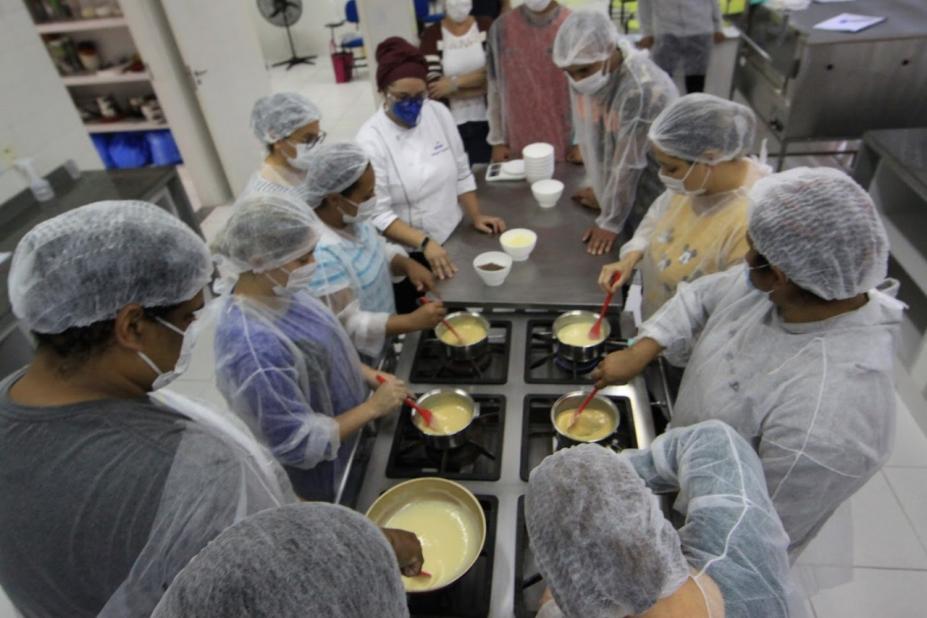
(407, 98)
(314, 140)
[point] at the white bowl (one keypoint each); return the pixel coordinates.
(547, 192)
(519, 243)
(493, 278)
(538, 150)
(514, 168)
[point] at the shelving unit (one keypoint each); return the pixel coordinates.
(112, 40)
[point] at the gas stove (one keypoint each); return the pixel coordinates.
(432, 365)
(544, 366)
(517, 411)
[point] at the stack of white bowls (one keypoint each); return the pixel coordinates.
(539, 162)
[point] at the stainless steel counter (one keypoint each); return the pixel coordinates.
(559, 273)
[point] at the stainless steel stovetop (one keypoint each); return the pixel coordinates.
(510, 486)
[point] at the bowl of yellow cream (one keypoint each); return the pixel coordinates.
(597, 422)
(519, 243)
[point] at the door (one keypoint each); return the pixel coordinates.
(223, 55)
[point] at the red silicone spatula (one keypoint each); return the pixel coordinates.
(425, 413)
(582, 407)
(596, 331)
(424, 300)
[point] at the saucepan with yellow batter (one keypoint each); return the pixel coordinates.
(452, 412)
(473, 330)
(448, 521)
(571, 331)
(598, 422)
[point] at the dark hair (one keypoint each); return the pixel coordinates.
(76, 345)
(808, 297)
(356, 183)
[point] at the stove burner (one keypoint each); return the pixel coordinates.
(528, 587)
(432, 365)
(468, 597)
(544, 366)
(538, 438)
(478, 459)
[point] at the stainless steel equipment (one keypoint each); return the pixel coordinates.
(580, 353)
(813, 85)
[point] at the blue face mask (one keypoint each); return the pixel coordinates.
(408, 110)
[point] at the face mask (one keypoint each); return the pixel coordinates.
(366, 204)
(537, 5)
(679, 185)
(302, 158)
(591, 84)
(408, 110)
(183, 361)
(750, 281)
(458, 10)
(297, 280)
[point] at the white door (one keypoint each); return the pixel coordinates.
(221, 50)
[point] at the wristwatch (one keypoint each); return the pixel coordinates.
(423, 244)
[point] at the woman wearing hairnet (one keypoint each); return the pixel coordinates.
(299, 560)
(340, 183)
(681, 32)
(287, 123)
(698, 225)
(795, 349)
(616, 94)
(283, 362)
(605, 549)
(423, 180)
(107, 492)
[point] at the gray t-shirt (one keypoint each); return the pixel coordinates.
(81, 485)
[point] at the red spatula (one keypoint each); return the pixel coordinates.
(423, 574)
(596, 331)
(582, 407)
(425, 413)
(424, 300)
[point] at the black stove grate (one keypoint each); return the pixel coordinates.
(432, 366)
(529, 585)
(471, 595)
(538, 438)
(479, 459)
(544, 366)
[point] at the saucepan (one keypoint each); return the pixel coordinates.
(598, 422)
(467, 323)
(579, 322)
(448, 520)
(453, 412)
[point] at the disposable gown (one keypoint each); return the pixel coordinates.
(287, 368)
(816, 400)
(611, 128)
(682, 32)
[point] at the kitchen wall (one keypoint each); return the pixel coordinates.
(310, 36)
(37, 117)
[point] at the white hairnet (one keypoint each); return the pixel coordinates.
(585, 37)
(598, 535)
(265, 231)
(821, 229)
(704, 128)
(297, 560)
(334, 168)
(279, 115)
(731, 529)
(85, 265)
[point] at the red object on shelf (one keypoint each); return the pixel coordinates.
(343, 63)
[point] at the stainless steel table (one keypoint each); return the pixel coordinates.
(559, 273)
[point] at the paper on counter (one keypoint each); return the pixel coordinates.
(849, 22)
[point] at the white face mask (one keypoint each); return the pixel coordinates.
(458, 10)
(297, 280)
(186, 353)
(303, 156)
(591, 84)
(537, 5)
(365, 205)
(678, 185)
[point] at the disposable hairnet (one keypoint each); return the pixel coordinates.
(298, 560)
(287, 368)
(816, 399)
(598, 535)
(279, 115)
(731, 530)
(85, 265)
(333, 168)
(821, 229)
(585, 37)
(265, 231)
(705, 129)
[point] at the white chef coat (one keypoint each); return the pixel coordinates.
(420, 171)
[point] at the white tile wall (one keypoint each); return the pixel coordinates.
(38, 118)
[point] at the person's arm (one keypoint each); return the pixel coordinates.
(716, 17)
(425, 317)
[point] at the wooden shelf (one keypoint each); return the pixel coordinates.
(129, 125)
(80, 25)
(106, 78)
